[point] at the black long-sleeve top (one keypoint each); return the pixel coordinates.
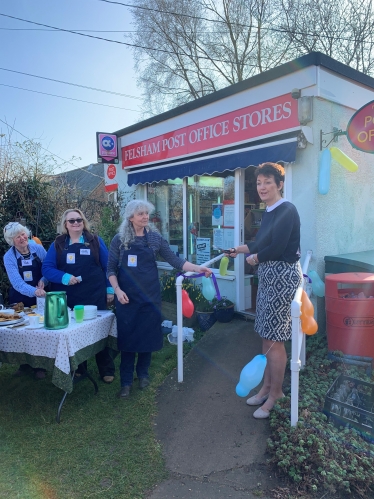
(278, 238)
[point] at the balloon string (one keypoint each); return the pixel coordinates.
(269, 348)
(218, 294)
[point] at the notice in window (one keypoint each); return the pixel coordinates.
(229, 215)
(218, 239)
(228, 238)
(202, 250)
(217, 214)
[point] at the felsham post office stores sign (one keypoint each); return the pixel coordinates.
(360, 129)
(259, 120)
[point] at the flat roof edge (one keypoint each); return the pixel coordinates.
(311, 59)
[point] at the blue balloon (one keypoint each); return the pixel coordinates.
(318, 286)
(251, 375)
(209, 291)
(324, 172)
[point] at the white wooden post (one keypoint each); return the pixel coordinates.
(298, 345)
(178, 285)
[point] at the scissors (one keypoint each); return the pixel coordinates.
(227, 251)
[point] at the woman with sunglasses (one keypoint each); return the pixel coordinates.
(76, 263)
(23, 263)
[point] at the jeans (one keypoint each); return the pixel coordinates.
(127, 365)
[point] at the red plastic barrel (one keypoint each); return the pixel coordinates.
(349, 317)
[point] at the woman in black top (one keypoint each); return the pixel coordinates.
(276, 251)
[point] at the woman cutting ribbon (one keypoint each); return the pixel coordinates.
(132, 271)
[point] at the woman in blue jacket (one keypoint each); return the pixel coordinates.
(23, 263)
(76, 263)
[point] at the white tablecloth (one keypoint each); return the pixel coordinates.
(59, 344)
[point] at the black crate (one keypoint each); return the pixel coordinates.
(360, 415)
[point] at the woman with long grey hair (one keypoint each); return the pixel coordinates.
(132, 272)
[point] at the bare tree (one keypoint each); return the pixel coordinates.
(202, 46)
(186, 49)
(341, 29)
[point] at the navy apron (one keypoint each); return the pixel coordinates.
(139, 321)
(92, 289)
(31, 274)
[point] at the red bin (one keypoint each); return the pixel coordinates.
(350, 313)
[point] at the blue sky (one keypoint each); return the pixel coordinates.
(66, 128)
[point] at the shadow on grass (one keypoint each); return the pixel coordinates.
(103, 446)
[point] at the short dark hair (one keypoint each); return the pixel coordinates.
(268, 169)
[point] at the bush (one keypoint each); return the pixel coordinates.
(315, 455)
(222, 304)
(168, 289)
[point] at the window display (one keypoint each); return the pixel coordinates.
(167, 198)
(207, 199)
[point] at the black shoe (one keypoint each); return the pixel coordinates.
(40, 374)
(143, 383)
(124, 392)
(22, 370)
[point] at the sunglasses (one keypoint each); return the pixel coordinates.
(73, 220)
(10, 225)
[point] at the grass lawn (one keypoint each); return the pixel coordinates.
(103, 447)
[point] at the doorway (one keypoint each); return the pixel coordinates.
(251, 210)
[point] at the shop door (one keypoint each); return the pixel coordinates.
(251, 213)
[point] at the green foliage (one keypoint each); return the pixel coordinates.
(109, 223)
(222, 304)
(315, 455)
(168, 289)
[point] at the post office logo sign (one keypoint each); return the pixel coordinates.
(360, 129)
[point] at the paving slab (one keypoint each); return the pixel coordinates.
(212, 445)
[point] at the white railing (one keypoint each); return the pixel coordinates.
(178, 285)
(298, 337)
(297, 343)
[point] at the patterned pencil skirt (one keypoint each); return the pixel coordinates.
(277, 285)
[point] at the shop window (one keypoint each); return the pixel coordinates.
(210, 219)
(167, 198)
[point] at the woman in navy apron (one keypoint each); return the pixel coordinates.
(132, 271)
(76, 263)
(23, 263)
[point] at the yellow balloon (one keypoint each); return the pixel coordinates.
(343, 159)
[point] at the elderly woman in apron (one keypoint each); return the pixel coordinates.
(23, 263)
(76, 263)
(132, 271)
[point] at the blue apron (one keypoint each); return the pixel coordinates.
(139, 322)
(92, 289)
(31, 274)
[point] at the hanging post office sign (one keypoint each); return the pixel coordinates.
(107, 150)
(360, 129)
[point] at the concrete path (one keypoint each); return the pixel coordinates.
(212, 445)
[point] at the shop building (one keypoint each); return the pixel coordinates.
(196, 164)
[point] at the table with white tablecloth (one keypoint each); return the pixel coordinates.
(59, 351)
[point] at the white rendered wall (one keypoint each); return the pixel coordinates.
(341, 221)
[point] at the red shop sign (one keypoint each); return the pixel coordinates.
(360, 129)
(239, 126)
(111, 172)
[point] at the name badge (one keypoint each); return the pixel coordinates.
(132, 261)
(85, 251)
(27, 276)
(70, 258)
(26, 263)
